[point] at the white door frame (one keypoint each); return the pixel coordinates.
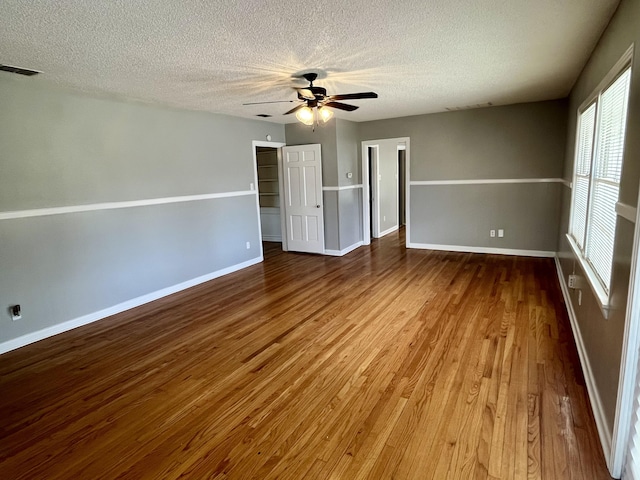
(278, 146)
(401, 146)
(366, 230)
(629, 363)
(375, 174)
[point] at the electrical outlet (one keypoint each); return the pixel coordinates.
(500, 233)
(248, 245)
(492, 233)
(575, 281)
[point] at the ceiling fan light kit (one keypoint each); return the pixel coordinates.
(305, 115)
(310, 116)
(315, 103)
(325, 114)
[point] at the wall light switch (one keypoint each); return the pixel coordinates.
(251, 186)
(16, 312)
(492, 233)
(500, 233)
(248, 245)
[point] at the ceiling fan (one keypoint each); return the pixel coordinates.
(314, 102)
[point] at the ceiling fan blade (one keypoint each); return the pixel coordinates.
(306, 93)
(262, 103)
(341, 106)
(294, 109)
(354, 96)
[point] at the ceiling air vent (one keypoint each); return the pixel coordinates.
(20, 71)
(264, 115)
(469, 107)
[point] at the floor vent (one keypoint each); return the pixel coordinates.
(20, 71)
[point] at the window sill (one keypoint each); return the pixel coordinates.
(601, 296)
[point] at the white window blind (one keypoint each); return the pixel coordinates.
(598, 166)
(632, 461)
(583, 174)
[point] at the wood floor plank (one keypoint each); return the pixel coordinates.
(386, 363)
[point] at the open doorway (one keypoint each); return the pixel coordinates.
(385, 172)
(402, 185)
(372, 159)
(269, 193)
(268, 183)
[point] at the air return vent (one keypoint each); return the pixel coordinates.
(20, 71)
(469, 107)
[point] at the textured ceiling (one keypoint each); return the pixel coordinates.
(420, 56)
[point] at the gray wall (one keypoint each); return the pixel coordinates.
(502, 206)
(350, 201)
(511, 142)
(64, 149)
(348, 145)
(388, 184)
(331, 220)
(300, 134)
(603, 337)
(350, 221)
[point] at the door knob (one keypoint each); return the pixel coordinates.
(317, 206)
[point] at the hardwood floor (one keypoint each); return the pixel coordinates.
(385, 363)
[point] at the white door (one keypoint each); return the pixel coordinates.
(304, 212)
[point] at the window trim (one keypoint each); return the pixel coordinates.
(626, 61)
(592, 279)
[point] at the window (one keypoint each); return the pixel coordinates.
(598, 166)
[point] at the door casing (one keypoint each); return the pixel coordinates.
(403, 143)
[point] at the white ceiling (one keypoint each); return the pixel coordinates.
(420, 56)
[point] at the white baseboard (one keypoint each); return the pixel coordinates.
(340, 253)
(388, 231)
(596, 404)
(121, 307)
(490, 250)
(272, 238)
